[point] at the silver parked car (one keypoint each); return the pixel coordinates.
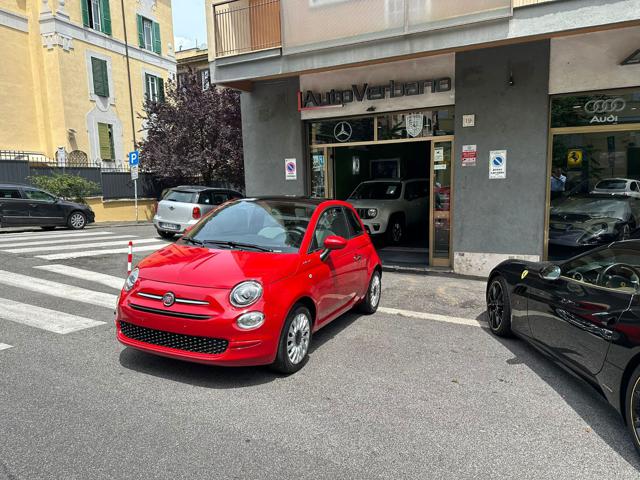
(183, 206)
(387, 207)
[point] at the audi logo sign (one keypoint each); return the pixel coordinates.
(610, 105)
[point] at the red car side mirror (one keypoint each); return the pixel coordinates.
(332, 242)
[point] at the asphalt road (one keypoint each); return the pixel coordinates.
(383, 396)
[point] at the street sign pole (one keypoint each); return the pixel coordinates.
(134, 162)
(135, 193)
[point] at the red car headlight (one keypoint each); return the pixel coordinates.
(245, 294)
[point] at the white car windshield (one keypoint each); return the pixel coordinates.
(377, 191)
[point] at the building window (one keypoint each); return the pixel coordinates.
(100, 77)
(96, 15)
(154, 88)
(595, 171)
(105, 140)
(182, 79)
(204, 79)
(149, 34)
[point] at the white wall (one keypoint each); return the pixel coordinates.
(592, 61)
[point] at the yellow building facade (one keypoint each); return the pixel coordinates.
(68, 79)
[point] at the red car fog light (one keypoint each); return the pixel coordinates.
(250, 320)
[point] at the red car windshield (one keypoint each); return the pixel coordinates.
(273, 225)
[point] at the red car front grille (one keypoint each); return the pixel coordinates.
(189, 343)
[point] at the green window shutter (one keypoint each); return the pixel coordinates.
(105, 78)
(160, 89)
(100, 80)
(106, 16)
(140, 31)
(85, 12)
(157, 46)
(104, 141)
(147, 93)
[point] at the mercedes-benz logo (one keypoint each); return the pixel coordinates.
(605, 106)
(168, 299)
(342, 131)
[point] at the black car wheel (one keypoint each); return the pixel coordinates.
(77, 220)
(625, 233)
(295, 339)
(499, 307)
(632, 407)
(166, 235)
(371, 301)
(395, 230)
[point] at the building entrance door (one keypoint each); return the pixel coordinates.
(441, 203)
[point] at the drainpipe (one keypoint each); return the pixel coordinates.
(126, 53)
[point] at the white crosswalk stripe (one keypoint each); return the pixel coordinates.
(78, 246)
(55, 289)
(4, 346)
(65, 241)
(87, 275)
(97, 253)
(46, 236)
(43, 318)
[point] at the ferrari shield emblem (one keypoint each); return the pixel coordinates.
(415, 124)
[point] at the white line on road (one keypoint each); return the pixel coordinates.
(4, 346)
(43, 318)
(56, 289)
(78, 246)
(63, 241)
(38, 236)
(97, 253)
(432, 316)
(88, 275)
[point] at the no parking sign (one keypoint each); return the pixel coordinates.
(498, 164)
(290, 169)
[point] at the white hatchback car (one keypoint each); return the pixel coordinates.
(618, 186)
(183, 206)
(388, 207)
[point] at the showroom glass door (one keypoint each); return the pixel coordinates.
(440, 206)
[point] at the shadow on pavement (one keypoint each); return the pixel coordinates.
(581, 396)
(209, 376)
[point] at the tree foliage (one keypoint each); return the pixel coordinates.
(71, 187)
(194, 135)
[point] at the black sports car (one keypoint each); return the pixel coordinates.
(584, 312)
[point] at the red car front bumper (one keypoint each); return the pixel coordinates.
(214, 339)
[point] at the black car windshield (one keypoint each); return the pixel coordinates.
(272, 225)
(377, 191)
(593, 207)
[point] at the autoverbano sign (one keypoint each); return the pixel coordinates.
(309, 99)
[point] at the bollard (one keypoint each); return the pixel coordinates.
(129, 257)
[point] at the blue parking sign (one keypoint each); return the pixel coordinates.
(134, 158)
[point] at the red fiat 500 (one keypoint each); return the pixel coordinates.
(250, 283)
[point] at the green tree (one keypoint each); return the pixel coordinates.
(67, 186)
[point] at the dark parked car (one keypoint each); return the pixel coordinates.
(25, 206)
(592, 220)
(584, 312)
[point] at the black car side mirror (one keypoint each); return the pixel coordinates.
(550, 272)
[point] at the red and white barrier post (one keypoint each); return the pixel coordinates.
(129, 257)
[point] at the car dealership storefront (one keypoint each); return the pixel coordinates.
(382, 139)
(477, 151)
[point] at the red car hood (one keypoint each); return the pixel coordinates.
(204, 267)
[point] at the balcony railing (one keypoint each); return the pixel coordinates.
(244, 26)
